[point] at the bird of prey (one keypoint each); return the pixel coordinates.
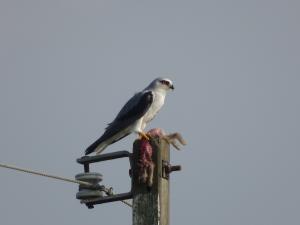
(135, 115)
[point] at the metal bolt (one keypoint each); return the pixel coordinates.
(170, 168)
(167, 168)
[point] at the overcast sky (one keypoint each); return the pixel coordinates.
(67, 68)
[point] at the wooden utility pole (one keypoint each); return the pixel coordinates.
(151, 205)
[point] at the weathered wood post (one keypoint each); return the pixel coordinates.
(151, 205)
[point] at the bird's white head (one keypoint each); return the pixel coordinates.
(163, 84)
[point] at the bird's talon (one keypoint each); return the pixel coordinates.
(144, 136)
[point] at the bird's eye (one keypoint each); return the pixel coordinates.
(165, 82)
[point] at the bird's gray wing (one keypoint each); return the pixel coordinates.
(136, 107)
(133, 110)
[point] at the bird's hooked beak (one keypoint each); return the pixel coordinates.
(172, 87)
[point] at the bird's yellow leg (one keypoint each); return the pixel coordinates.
(144, 135)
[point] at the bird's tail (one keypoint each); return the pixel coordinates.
(104, 141)
(101, 148)
(98, 146)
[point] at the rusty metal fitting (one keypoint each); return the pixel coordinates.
(167, 168)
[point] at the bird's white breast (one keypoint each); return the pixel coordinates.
(158, 102)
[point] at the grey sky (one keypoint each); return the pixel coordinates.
(67, 67)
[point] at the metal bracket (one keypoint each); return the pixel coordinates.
(167, 168)
(86, 161)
